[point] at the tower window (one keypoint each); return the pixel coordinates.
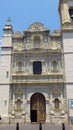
(37, 67)
(71, 13)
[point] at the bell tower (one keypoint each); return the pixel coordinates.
(66, 20)
(66, 14)
(5, 70)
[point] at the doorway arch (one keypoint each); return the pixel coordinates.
(38, 108)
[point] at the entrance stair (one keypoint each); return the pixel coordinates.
(35, 127)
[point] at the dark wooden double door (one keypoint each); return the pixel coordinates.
(38, 108)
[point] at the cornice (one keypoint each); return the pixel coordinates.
(37, 52)
(68, 27)
(64, 0)
(37, 83)
(38, 76)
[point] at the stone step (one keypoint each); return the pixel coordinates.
(35, 127)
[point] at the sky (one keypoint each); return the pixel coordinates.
(25, 12)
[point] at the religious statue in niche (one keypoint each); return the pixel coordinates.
(20, 47)
(55, 45)
(15, 46)
(58, 45)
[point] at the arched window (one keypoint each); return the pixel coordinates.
(56, 103)
(37, 42)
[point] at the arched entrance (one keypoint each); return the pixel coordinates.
(38, 108)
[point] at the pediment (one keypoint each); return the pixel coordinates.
(18, 35)
(37, 27)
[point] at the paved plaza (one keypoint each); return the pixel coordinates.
(35, 127)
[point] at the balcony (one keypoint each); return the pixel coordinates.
(19, 78)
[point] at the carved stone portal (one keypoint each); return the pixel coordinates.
(38, 108)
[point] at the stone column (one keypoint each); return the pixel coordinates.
(65, 15)
(61, 98)
(23, 100)
(51, 106)
(13, 100)
(50, 65)
(59, 66)
(24, 104)
(23, 112)
(47, 112)
(43, 67)
(31, 67)
(62, 14)
(12, 117)
(51, 99)
(28, 112)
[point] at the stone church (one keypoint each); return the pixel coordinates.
(36, 72)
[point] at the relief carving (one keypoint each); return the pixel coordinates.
(56, 45)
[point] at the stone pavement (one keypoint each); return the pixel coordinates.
(35, 127)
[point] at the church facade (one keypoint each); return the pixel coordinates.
(36, 72)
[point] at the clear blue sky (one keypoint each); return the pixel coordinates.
(25, 12)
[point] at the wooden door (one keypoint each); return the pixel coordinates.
(38, 104)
